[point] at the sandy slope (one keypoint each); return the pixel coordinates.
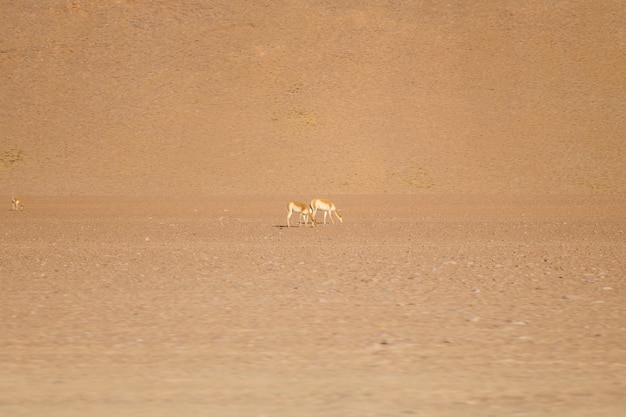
(155, 98)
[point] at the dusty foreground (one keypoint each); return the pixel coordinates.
(429, 306)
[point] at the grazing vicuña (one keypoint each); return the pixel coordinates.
(327, 207)
(303, 209)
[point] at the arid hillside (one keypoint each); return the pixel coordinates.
(476, 151)
(232, 97)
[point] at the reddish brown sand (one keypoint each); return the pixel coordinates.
(476, 154)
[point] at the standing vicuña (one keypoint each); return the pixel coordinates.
(327, 207)
(17, 203)
(303, 209)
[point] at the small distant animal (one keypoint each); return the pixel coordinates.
(327, 207)
(17, 203)
(303, 209)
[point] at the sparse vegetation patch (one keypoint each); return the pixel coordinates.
(10, 156)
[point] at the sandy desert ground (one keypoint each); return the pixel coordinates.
(439, 306)
(475, 150)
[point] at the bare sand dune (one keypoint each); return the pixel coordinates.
(476, 153)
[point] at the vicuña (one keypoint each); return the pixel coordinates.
(303, 209)
(17, 203)
(327, 207)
